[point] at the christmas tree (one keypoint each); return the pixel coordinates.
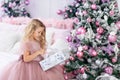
(94, 41)
(15, 8)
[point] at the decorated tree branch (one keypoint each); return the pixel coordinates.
(95, 40)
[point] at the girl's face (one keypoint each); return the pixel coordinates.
(37, 34)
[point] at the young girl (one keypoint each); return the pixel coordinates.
(33, 47)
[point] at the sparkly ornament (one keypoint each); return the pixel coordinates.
(112, 38)
(66, 15)
(98, 36)
(27, 2)
(111, 13)
(72, 58)
(100, 30)
(70, 10)
(69, 38)
(94, 6)
(118, 24)
(82, 70)
(97, 23)
(66, 77)
(84, 13)
(81, 30)
(79, 54)
(98, 62)
(105, 17)
(76, 20)
(89, 20)
(10, 5)
(80, 48)
(77, 13)
(85, 76)
(109, 70)
(85, 47)
(114, 60)
(86, 5)
(77, 5)
(59, 12)
(93, 52)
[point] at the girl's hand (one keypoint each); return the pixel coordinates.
(41, 51)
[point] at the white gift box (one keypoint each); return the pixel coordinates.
(54, 60)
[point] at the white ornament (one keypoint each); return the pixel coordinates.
(106, 77)
(85, 76)
(80, 48)
(105, 17)
(86, 5)
(112, 33)
(89, 60)
(98, 62)
(77, 5)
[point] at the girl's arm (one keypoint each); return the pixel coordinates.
(27, 57)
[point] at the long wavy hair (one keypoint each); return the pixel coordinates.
(30, 29)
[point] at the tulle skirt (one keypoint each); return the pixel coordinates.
(20, 70)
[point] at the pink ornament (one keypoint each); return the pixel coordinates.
(10, 5)
(59, 12)
(14, 4)
(109, 70)
(66, 77)
(70, 10)
(26, 2)
(94, 53)
(94, 6)
(69, 38)
(114, 60)
(77, 13)
(84, 13)
(85, 47)
(97, 23)
(79, 54)
(66, 15)
(98, 36)
(82, 70)
(118, 24)
(111, 13)
(81, 30)
(72, 58)
(112, 38)
(100, 30)
(89, 20)
(76, 20)
(66, 8)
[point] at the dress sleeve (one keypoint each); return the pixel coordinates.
(25, 46)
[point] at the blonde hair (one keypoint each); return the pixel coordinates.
(30, 29)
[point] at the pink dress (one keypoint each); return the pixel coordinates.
(20, 70)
